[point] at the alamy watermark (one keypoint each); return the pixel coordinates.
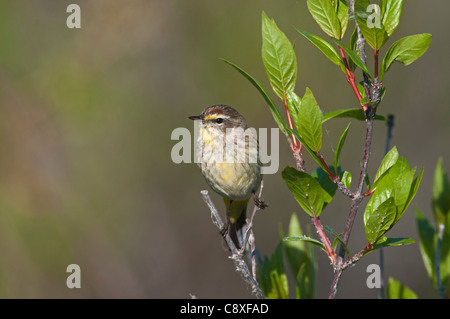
(374, 20)
(73, 21)
(235, 146)
(374, 279)
(74, 279)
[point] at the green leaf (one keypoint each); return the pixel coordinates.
(367, 180)
(342, 12)
(346, 179)
(406, 51)
(369, 21)
(440, 201)
(380, 241)
(273, 108)
(339, 146)
(401, 180)
(306, 190)
(354, 57)
(397, 183)
(388, 242)
(378, 221)
(307, 239)
(338, 237)
(350, 113)
(295, 250)
(272, 279)
(364, 101)
(326, 17)
(388, 161)
(279, 58)
(309, 122)
(384, 242)
(306, 273)
(310, 151)
(382, 92)
(325, 182)
(427, 236)
(390, 14)
(326, 48)
(396, 290)
(310, 279)
(354, 47)
(305, 280)
(445, 253)
(301, 260)
(412, 193)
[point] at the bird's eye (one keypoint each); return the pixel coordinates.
(219, 120)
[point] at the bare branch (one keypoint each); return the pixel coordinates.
(236, 255)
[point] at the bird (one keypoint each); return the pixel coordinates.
(229, 161)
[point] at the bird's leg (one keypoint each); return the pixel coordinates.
(224, 230)
(259, 202)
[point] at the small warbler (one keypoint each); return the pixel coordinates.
(229, 161)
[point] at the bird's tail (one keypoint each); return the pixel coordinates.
(237, 227)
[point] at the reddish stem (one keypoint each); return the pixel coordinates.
(368, 192)
(351, 78)
(296, 147)
(295, 144)
(330, 252)
(376, 63)
(330, 173)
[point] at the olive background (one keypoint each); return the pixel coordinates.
(86, 117)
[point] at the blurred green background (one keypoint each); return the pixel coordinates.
(86, 117)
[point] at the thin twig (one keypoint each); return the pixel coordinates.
(323, 237)
(251, 240)
(298, 157)
(250, 222)
(338, 271)
(249, 236)
(376, 82)
(351, 77)
(353, 209)
(344, 190)
(236, 256)
(358, 195)
(335, 178)
(335, 283)
(296, 146)
(356, 257)
(390, 125)
(295, 143)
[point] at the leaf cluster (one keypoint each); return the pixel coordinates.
(430, 232)
(273, 278)
(394, 185)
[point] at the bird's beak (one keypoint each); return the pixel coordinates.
(195, 117)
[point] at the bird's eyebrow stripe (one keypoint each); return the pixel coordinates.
(213, 116)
